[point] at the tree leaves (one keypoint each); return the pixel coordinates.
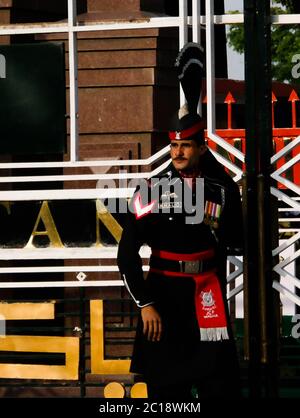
(285, 43)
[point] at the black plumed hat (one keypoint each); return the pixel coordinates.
(187, 123)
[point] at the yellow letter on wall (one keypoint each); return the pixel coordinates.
(69, 346)
(98, 364)
(50, 228)
(109, 221)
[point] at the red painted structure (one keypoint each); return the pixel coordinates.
(281, 137)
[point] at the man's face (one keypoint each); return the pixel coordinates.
(185, 154)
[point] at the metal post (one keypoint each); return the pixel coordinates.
(183, 35)
(210, 65)
(183, 28)
(196, 10)
(196, 21)
(261, 300)
(73, 79)
(82, 343)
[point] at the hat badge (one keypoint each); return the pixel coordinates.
(177, 135)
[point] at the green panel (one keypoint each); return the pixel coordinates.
(33, 99)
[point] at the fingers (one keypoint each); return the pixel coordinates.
(152, 324)
(145, 327)
(157, 330)
(153, 329)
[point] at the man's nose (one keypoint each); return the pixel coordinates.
(179, 150)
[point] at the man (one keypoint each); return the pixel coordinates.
(184, 341)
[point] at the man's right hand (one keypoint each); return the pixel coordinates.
(152, 323)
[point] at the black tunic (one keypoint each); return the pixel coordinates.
(180, 357)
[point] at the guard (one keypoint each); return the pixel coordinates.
(184, 345)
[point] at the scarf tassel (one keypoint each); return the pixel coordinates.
(214, 334)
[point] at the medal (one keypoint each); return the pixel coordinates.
(215, 225)
(206, 220)
(212, 212)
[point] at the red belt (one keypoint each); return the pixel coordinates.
(203, 255)
(178, 273)
(182, 264)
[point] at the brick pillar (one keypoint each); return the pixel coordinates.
(126, 5)
(127, 90)
(113, 5)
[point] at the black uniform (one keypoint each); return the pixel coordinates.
(181, 358)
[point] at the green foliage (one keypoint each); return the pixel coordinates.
(285, 43)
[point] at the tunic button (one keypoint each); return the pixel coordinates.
(171, 219)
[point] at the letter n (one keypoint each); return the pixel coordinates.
(108, 220)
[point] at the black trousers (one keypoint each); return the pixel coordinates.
(171, 392)
(213, 388)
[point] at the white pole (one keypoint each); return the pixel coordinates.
(210, 67)
(183, 35)
(197, 35)
(73, 79)
(196, 21)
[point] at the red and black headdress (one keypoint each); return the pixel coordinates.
(187, 123)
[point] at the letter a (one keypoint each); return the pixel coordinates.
(50, 228)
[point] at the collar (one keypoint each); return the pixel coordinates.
(190, 173)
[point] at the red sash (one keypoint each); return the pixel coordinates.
(210, 307)
(209, 303)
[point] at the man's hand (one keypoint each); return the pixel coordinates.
(152, 323)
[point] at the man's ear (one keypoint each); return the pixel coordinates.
(202, 149)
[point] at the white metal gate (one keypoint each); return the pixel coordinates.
(92, 258)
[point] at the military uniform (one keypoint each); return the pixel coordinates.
(181, 252)
(186, 282)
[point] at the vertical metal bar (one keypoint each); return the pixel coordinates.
(183, 29)
(183, 35)
(265, 147)
(210, 67)
(261, 268)
(261, 304)
(196, 21)
(229, 115)
(246, 269)
(251, 283)
(269, 300)
(196, 27)
(73, 80)
(82, 313)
